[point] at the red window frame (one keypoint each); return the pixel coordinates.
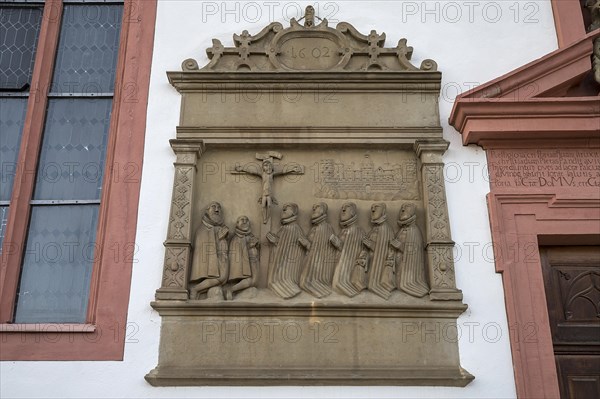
(102, 336)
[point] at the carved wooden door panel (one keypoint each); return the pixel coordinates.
(572, 284)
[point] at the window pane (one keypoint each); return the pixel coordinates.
(55, 279)
(12, 116)
(19, 29)
(3, 221)
(87, 50)
(73, 151)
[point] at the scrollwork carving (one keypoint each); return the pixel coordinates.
(309, 47)
(190, 65)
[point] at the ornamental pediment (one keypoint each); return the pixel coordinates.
(309, 46)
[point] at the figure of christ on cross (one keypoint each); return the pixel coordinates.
(267, 173)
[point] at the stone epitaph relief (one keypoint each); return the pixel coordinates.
(296, 254)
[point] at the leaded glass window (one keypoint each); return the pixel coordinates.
(61, 243)
(19, 31)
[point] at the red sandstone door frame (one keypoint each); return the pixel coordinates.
(505, 115)
(520, 223)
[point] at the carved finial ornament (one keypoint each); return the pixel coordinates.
(309, 47)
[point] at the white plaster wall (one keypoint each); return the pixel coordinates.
(472, 48)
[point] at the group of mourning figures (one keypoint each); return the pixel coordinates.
(348, 263)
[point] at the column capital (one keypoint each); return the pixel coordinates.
(188, 152)
(431, 151)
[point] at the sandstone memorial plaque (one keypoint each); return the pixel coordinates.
(309, 238)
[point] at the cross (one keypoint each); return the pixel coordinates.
(267, 173)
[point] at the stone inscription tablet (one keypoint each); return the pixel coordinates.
(576, 168)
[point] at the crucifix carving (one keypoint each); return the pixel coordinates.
(267, 173)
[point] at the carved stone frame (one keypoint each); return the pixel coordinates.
(401, 113)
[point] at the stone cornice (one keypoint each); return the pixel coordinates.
(343, 81)
(507, 107)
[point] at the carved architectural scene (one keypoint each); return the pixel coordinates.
(367, 181)
(281, 219)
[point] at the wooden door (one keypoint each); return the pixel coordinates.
(572, 285)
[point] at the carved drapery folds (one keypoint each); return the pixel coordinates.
(387, 258)
(179, 235)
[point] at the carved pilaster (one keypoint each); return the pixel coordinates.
(178, 245)
(437, 223)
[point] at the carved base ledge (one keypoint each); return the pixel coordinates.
(333, 341)
(432, 376)
(447, 309)
(170, 294)
(438, 294)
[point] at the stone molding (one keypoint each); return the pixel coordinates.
(528, 103)
(520, 223)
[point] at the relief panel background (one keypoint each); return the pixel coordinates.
(239, 194)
